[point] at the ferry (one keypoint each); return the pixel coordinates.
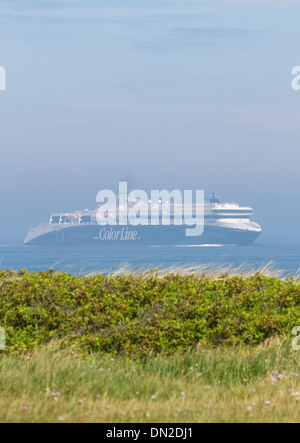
(224, 224)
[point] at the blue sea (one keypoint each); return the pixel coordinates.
(110, 258)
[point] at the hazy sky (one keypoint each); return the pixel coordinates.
(162, 93)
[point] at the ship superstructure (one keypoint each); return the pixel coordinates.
(224, 223)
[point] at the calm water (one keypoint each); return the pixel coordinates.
(108, 258)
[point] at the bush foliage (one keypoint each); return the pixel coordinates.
(145, 314)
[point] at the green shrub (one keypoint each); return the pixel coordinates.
(145, 314)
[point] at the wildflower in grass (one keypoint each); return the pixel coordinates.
(47, 390)
(268, 403)
(273, 378)
(281, 376)
(182, 394)
(294, 375)
(249, 409)
(253, 390)
(295, 394)
(25, 408)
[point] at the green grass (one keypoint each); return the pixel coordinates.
(217, 385)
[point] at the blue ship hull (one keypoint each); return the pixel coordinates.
(145, 235)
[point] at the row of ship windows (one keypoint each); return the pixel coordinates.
(66, 222)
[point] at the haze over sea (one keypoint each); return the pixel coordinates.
(163, 94)
(108, 258)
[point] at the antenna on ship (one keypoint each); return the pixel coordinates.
(215, 198)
